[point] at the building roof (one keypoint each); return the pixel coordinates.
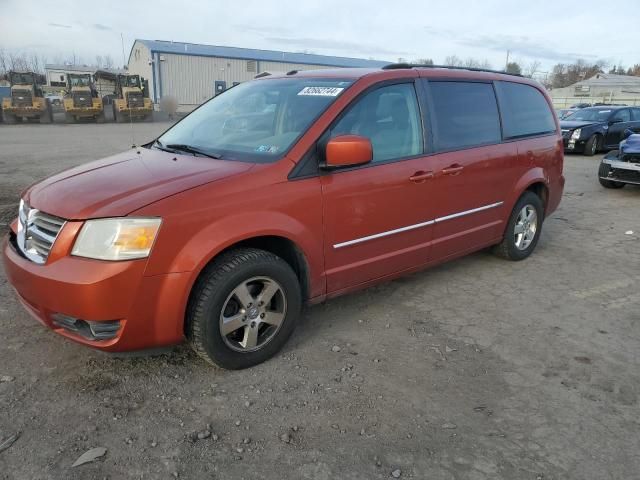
(610, 80)
(180, 48)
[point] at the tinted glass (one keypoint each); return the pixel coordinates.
(622, 116)
(525, 111)
(256, 121)
(635, 114)
(390, 118)
(466, 115)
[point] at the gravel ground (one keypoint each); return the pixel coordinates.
(477, 369)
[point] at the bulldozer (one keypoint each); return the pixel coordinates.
(81, 100)
(130, 100)
(27, 100)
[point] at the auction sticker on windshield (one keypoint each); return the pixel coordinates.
(321, 91)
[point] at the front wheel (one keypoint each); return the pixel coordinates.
(592, 145)
(523, 229)
(603, 172)
(243, 309)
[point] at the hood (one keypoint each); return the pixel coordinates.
(570, 125)
(123, 183)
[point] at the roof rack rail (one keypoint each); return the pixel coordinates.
(399, 66)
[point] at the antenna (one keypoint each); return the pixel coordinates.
(133, 140)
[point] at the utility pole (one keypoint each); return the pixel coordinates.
(506, 64)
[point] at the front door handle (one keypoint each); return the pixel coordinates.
(454, 169)
(421, 176)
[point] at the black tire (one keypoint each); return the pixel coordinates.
(592, 145)
(117, 116)
(211, 294)
(9, 118)
(100, 117)
(507, 248)
(69, 118)
(603, 171)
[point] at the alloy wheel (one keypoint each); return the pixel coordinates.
(252, 314)
(526, 227)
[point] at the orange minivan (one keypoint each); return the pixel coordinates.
(282, 191)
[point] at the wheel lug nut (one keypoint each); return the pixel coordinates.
(262, 315)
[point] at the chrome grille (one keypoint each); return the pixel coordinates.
(37, 232)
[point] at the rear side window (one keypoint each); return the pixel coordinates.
(465, 115)
(635, 114)
(524, 109)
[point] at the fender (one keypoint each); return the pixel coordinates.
(215, 237)
(531, 176)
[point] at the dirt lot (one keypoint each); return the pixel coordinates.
(478, 369)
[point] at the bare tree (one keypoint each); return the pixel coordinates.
(423, 61)
(513, 67)
(531, 68)
(453, 61)
(108, 61)
(98, 61)
(4, 62)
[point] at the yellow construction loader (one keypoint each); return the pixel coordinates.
(81, 100)
(27, 100)
(130, 101)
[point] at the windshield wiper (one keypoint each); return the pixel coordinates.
(158, 144)
(181, 147)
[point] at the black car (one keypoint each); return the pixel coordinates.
(598, 128)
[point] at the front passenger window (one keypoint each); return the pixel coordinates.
(389, 117)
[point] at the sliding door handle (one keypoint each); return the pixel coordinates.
(454, 169)
(421, 176)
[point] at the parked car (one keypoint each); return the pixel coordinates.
(621, 167)
(580, 105)
(55, 99)
(226, 224)
(592, 129)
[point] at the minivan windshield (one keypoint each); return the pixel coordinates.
(256, 121)
(590, 115)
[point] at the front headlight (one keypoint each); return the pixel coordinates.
(576, 134)
(116, 238)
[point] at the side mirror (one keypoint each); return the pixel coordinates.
(627, 133)
(348, 151)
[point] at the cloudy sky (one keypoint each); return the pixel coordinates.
(547, 31)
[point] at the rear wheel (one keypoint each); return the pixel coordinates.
(243, 308)
(523, 229)
(69, 118)
(100, 117)
(603, 171)
(592, 145)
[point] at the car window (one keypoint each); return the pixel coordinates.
(524, 110)
(635, 114)
(389, 117)
(623, 115)
(256, 121)
(465, 115)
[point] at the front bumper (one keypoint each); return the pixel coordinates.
(83, 111)
(573, 145)
(150, 309)
(623, 172)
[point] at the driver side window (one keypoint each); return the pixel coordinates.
(389, 117)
